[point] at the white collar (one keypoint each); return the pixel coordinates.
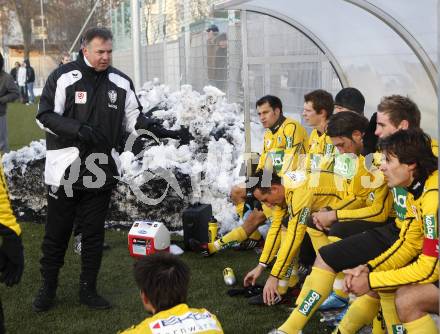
(87, 62)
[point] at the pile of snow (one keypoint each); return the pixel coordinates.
(164, 178)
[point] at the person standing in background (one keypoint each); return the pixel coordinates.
(21, 82)
(211, 48)
(65, 58)
(30, 79)
(8, 93)
(14, 71)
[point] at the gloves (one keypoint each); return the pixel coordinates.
(147, 123)
(91, 136)
(184, 135)
(12, 259)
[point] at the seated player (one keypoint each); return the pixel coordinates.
(388, 247)
(349, 99)
(394, 112)
(163, 281)
(283, 137)
(423, 198)
(316, 190)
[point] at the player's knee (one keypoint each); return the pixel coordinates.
(405, 303)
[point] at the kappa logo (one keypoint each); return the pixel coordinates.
(112, 95)
(309, 302)
(398, 329)
(430, 227)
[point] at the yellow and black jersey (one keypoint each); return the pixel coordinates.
(368, 196)
(321, 153)
(8, 221)
(283, 145)
(422, 214)
(178, 319)
(273, 238)
(304, 194)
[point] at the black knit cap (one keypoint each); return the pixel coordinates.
(350, 98)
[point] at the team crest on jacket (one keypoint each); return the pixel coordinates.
(112, 95)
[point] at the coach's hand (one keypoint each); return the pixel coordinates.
(270, 291)
(252, 276)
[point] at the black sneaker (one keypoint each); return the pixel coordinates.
(258, 300)
(199, 247)
(249, 244)
(45, 298)
(89, 297)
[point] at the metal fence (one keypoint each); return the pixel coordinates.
(273, 58)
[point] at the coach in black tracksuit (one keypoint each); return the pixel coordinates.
(86, 107)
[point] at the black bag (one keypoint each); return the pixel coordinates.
(195, 223)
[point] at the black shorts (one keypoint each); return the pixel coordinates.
(348, 228)
(359, 248)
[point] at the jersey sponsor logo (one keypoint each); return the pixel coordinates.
(289, 142)
(398, 329)
(277, 159)
(345, 165)
(311, 299)
(430, 227)
(399, 197)
(80, 97)
(305, 213)
(187, 323)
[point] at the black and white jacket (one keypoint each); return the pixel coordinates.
(75, 94)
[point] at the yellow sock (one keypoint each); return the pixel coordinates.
(423, 325)
(256, 235)
(318, 238)
(338, 286)
(389, 312)
(359, 314)
(379, 324)
(316, 289)
(238, 235)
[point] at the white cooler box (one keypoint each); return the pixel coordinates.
(147, 238)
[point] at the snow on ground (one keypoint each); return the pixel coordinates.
(212, 160)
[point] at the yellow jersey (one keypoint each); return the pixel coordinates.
(283, 145)
(178, 319)
(7, 217)
(423, 213)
